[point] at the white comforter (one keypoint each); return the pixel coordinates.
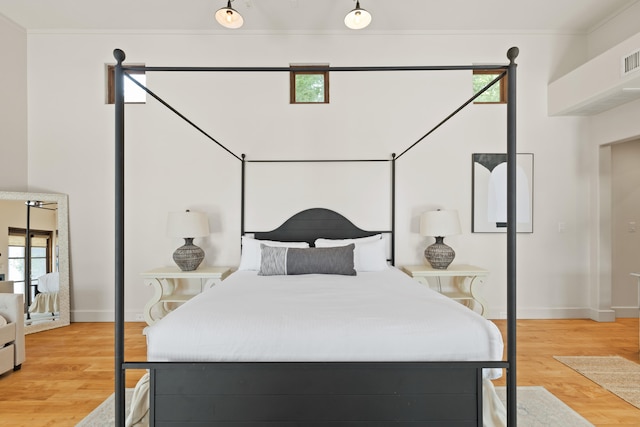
(377, 316)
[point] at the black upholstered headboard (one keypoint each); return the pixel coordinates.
(314, 223)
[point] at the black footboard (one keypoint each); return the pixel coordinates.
(316, 394)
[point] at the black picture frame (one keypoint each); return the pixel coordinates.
(489, 193)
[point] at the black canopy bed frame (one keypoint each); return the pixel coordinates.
(373, 394)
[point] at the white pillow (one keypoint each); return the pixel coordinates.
(3, 321)
(371, 256)
(250, 257)
(368, 255)
(329, 243)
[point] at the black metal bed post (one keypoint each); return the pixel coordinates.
(242, 180)
(512, 419)
(393, 209)
(119, 238)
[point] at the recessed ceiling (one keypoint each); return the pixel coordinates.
(574, 16)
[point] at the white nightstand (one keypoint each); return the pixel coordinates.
(166, 282)
(467, 281)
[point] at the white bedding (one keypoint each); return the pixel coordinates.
(374, 316)
(46, 301)
(49, 282)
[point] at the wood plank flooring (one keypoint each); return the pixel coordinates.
(539, 340)
(69, 371)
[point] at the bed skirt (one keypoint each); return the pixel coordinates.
(45, 302)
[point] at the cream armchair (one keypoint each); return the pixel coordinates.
(12, 351)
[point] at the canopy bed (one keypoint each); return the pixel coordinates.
(381, 379)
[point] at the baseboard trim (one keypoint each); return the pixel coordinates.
(543, 313)
(603, 315)
(104, 316)
(523, 313)
(626, 312)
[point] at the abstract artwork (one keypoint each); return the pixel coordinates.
(489, 204)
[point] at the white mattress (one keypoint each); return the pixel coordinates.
(374, 316)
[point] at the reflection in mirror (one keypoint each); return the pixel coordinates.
(44, 277)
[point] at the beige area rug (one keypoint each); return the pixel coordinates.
(537, 407)
(105, 414)
(614, 373)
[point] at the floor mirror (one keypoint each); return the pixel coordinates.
(37, 267)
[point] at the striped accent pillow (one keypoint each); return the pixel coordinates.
(291, 261)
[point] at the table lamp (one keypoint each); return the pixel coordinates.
(438, 224)
(188, 225)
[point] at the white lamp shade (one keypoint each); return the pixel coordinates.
(358, 18)
(229, 17)
(187, 224)
(440, 223)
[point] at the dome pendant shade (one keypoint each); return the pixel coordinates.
(358, 18)
(228, 17)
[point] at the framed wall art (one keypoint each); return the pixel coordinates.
(489, 195)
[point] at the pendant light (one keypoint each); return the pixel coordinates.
(358, 18)
(228, 17)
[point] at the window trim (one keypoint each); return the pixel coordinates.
(503, 87)
(49, 256)
(111, 82)
(308, 69)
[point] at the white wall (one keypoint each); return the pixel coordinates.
(171, 167)
(13, 106)
(611, 127)
(614, 126)
(614, 31)
(625, 227)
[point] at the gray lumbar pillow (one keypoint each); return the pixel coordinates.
(289, 261)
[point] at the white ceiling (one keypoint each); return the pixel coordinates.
(573, 16)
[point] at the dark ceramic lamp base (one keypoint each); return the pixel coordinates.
(189, 256)
(439, 255)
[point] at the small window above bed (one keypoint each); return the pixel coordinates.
(309, 84)
(496, 94)
(132, 93)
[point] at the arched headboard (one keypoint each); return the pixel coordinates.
(311, 224)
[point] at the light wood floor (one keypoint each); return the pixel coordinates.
(69, 371)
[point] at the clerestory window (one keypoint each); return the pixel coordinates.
(309, 84)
